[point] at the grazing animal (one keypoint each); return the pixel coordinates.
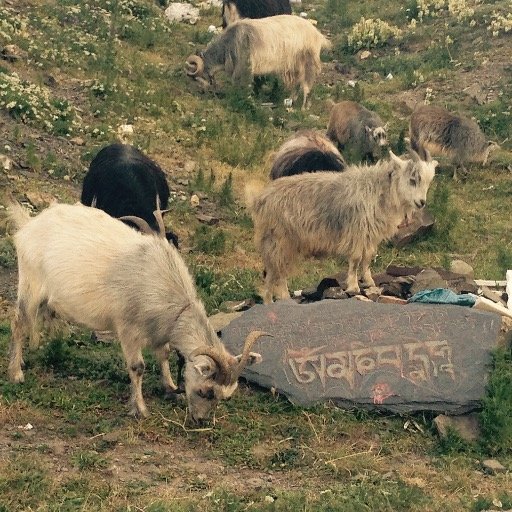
(442, 132)
(287, 46)
(306, 151)
(344, 213)
(123, 181)
(82, 265)
(233, 10)
(357, 129)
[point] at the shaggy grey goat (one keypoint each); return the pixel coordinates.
(358, 130)
(306, 151)
(287, 46)
(347, 213)
(442, 132)
(86, 267)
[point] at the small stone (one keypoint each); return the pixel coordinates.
(373, 293)
(493, 466)
(466, 426)
(189, 167)
(365, 54)
(387, 299)
(207, 219)
(194, 201)
(334, 292)
(220, 320)
(230, 306)
(5, 162)
(428, 279)
(40, 199)
(77, 141)
(463, 268)
(269, 499)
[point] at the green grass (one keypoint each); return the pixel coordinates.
(103, 63)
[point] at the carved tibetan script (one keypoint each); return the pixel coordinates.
(419, 361)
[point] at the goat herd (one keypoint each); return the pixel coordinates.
(80, 263)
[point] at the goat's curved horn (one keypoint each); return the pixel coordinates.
(251, 339)
(140, 223)
(224, 374)
(195, 65)
(428, 156)
(415, 156)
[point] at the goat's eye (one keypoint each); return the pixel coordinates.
(412, 182)
(208, 394)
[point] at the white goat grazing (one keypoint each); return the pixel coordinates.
(86, 267)
(347, 213)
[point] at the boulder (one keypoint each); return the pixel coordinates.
(385, 356)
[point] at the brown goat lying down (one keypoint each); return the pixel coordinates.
(346, 214)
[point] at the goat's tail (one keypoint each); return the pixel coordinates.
(252, 190)
(16, 213)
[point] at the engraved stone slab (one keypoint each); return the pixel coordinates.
(401, 358)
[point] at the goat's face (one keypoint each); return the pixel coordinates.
(377, 136)
(414, 178)
(202, 388)
(211, 375)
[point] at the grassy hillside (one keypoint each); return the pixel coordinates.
(73, 73)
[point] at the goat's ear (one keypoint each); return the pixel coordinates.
(254, 358)
(204, 368)
(368, 130)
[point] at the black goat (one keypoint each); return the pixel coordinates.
(233, 10)
(123, 181)
(306, 151)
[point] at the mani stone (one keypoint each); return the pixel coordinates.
(384, 356)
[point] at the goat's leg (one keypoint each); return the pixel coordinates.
(281, 289)
(136, 367)
(365, 269)
(352, 285)
(19, 326)
(162, 356)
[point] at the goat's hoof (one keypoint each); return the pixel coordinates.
(353, 291)
(139, 412)
(16, 377)
(174, 395)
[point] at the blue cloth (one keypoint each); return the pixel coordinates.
(443, 296)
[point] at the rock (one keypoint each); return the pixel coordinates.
(77, 141)
(421, 223)
(189, 167)
(492, 295)
(12, 53)
(5, 162)
(207, 219)
(40, 199)
(493, 466)
(476, 92)
(386, 299)
(463, 268)
(220, 320)
(194, 201)
(396, 271)
(373, 293)
(231, 306)
(178, 11)
(334, 292)
(466, 426)
(365, 54)
(428, 279)
(383, 356)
